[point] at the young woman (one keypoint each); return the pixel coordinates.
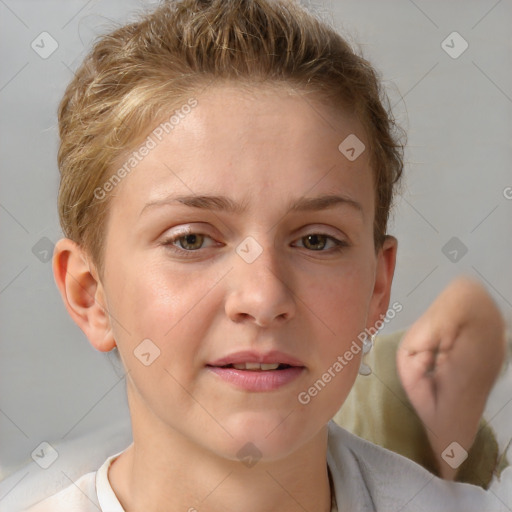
(227, 173)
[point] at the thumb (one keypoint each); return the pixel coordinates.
(415, 373)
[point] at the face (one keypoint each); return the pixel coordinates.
(274, 265)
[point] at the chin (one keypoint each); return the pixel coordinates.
(271, 436)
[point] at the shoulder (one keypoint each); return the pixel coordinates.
(80, 496)
(90, 493)
(383, 480)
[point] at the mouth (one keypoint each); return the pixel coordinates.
(256, 367)
(254, 372)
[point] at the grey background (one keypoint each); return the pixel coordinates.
(458, 115)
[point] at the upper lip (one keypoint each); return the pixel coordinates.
(249, 356)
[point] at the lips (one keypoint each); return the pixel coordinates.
(251, 371)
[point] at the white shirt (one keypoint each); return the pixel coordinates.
(366, 478)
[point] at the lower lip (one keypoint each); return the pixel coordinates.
(254, 380)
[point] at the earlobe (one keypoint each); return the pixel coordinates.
(82, 293)
(386, 260)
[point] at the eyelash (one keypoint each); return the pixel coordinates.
(339, 245)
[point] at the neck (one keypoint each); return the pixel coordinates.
(165, 471)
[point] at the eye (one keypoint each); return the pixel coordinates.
(319, 241)
(186, 242)
(191, 242)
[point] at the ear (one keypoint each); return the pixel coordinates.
(82, 293)
(386, 260)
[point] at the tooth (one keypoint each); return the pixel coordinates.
(256, 366)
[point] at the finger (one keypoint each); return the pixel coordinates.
(418, 383)
(423, 336)
(413, 367)
(419, 339)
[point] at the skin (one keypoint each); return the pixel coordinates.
(260, 148)
(440, 365)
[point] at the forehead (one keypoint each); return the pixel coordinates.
(250, 144)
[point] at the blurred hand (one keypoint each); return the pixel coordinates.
(448, 362)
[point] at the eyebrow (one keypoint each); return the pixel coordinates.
(225, 204)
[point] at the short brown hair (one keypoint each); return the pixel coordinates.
(137, 73)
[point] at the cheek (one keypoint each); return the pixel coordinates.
(340, 297)
(148, 303)
(170, 308)
(339, 308)
(164, 320)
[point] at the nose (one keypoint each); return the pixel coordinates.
(260, 292)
